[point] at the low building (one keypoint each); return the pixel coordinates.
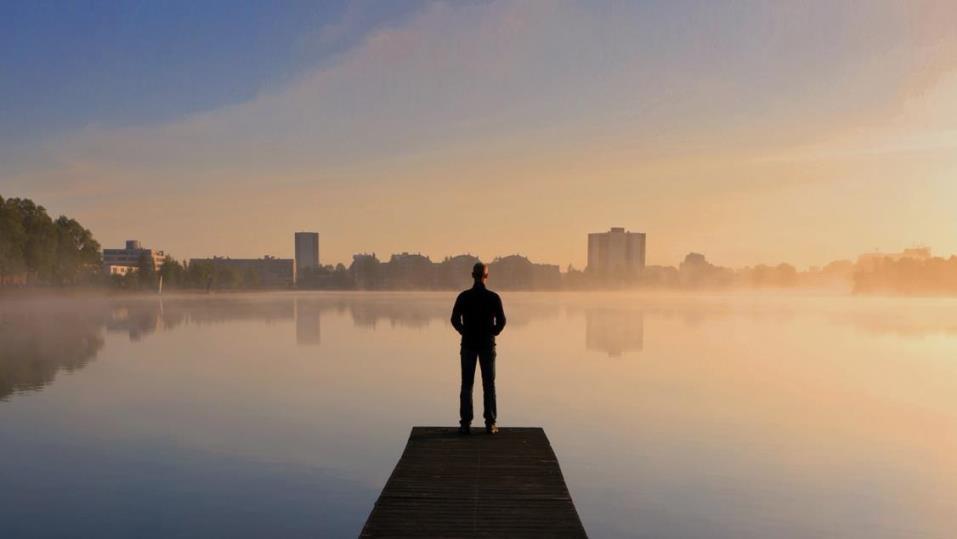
(267, 272)
(117, 269)
(126, 260)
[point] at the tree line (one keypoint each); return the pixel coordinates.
(36, 249)
(204, 275)
(908, 276)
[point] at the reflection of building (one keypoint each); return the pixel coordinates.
(307, 250)
(614, 331)
(123, 261)
(307, 322)
(271, 272)
(616, 252)
(135, 319)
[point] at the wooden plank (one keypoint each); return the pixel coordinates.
(449, 485)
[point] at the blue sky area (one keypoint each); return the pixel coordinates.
(64, 65)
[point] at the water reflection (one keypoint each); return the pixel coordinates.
(614, 331)
(39, 338)
(283, 414)
(35, 345)
(138, 321)
(394, 309)
(308, 327)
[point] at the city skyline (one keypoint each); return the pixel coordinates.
(755, 133)
(628, 256)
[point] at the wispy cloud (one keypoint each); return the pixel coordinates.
(571, 115)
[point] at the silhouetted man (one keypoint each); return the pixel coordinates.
(478, 317)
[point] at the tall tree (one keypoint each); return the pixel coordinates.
(146, 271)
(172, 272)
(12, 240)
(77, 253)
(39, 251)
(199, 274)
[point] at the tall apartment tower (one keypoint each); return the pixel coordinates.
(616, 252)
(307, 250)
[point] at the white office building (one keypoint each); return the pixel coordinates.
(123, 261)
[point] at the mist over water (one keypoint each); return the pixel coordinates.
(706, 415)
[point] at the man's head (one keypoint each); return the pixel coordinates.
(480, 272)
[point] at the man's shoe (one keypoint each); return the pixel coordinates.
(465, 429)
(491, 429)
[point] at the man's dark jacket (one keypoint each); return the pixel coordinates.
(478, 316)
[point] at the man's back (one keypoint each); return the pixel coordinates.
(478, 316)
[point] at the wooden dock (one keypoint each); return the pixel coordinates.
(449, 485)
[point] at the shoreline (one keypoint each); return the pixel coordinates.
(44, 292)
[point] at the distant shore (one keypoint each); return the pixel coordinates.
(40, 292)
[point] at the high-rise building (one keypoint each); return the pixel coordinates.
(307, 250)
(616, 252)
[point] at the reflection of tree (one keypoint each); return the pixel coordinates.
(207, 310)
(522, 309)
(418, 311)
(143, 316)
(399, 309)
(40, 338)
(35, 346)
(929, 320)
(140, 317)
(614, 331)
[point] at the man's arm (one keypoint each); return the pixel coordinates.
(499, 315)
(457, 315)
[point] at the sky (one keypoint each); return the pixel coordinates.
(750, 131)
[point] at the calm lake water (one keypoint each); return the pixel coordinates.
(282, 415)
